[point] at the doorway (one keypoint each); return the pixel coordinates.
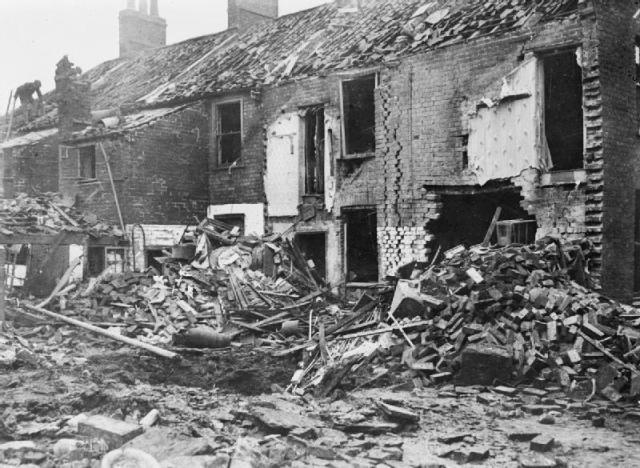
(361, 245)
(314, 247)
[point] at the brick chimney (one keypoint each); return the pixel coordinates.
(141, 28)
(72, 96)
(244, 13)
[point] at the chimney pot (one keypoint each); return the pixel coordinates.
(140, 31)
(154, 8)
(131, 4)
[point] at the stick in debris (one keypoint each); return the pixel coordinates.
(99, 331)
(492, 227)
(63, 281)
(3, 280)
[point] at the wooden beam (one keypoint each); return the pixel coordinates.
(492, 226)
(113, 187)
(99, 331)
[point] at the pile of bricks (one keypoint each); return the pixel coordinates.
(500, 316)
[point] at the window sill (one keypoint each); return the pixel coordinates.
(356, 156)
(227, 168)
(82, 181)
(571, 177)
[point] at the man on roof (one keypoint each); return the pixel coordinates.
(25, 92)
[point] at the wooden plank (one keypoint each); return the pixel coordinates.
(492, 226)
(3, 281)
(113, 187)
(106, 333)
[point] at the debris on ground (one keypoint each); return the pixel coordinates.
(511, 339)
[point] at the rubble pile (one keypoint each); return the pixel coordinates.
(491, 316)
(49, 213)
(228, 287)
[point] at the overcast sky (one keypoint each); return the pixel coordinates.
(35, 34)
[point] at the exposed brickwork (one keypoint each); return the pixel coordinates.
(30, 169)
(616, 38)
(160, 172)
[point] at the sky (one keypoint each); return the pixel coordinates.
(35, 34)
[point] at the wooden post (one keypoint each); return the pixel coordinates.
(99, 331)
(113, 187)
(3, 282)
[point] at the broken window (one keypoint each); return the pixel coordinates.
(314, 150)
(361, 245)
(359, 115)
(563, 115)
(115, 259)
(229, 132)
(87, 162)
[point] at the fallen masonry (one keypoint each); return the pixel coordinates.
(274, 369)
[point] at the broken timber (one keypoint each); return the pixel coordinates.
(99, 331)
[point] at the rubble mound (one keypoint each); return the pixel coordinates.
(518, 314)
(49, 213)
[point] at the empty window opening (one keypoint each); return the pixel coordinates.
(87, 162)
(151, 257)
(314, 151)
(229, 132)
(563, 114)
(359, 115)
(314, 248)
(234, 223)
(96, 260)
(465, 219)
(361, 245)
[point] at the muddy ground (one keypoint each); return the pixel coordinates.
(227, 408)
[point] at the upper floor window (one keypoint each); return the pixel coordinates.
(563, 113)
(87, 162)
(358, 100)
(229, 132)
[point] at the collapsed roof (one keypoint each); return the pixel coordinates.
(308, 43)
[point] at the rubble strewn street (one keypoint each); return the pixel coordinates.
(491, 356)
(320, 233)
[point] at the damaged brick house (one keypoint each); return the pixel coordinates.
(373, 131)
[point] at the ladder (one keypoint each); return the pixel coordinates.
(13, 109)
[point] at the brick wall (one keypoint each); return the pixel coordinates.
(31, 169)
(160, 172)
(619, 146)
(424, 105)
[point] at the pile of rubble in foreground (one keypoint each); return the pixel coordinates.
(490, 316)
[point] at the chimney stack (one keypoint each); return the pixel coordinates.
(141, 29)
(72, 96)
(245, 13)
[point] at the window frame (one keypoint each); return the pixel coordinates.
(79, 162)
(218, 134)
